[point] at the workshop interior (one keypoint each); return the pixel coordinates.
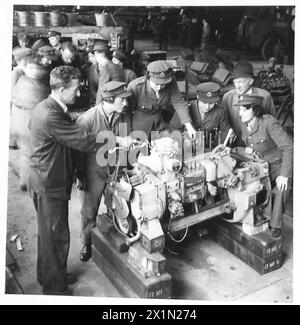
(180, 216)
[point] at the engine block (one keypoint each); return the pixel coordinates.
(166, 194)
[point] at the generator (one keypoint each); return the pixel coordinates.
(174, 188)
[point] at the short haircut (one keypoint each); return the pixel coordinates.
(108, 99)
(68, 45)
(258, 110)
(62, 76)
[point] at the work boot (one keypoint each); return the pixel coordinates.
(276, 232)
(85, 253)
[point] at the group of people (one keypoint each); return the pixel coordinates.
(57, 148)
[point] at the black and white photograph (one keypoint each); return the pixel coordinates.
(148, 152)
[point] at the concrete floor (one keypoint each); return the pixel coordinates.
(202, 270)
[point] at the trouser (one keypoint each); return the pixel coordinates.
(53, 242)
(279, 198)
(19, 127)
(90, 201)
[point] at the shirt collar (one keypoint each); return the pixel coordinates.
(251, 123)
(60, 103)
(249, 92)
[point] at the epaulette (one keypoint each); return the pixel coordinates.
(138, 81)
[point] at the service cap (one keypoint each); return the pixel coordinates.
(160, 72)
(250, 99)
(52, 33)
(208, 92)
(101, 46)
(114, 89)
(48, 52)
(120, 56)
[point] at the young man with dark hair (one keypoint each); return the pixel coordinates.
(53, 138)
(106, 116)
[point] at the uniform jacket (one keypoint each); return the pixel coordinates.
(215, 118)
(269, 139)
(129, 75)
(53, 138)
(231, 98)
(143, 99)
(109, 72)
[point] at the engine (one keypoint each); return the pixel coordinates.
(164, 193)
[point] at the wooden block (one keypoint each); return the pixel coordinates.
(262, 244)
(113, 236)
(154, 287)
(261, 265)
(124, 289)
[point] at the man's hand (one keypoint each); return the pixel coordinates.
(282, 183)
(190, 130)
(127, 141)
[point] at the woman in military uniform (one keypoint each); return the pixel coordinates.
(263, 134)
(207, 114)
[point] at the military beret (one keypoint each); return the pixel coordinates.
(242, 69)
(250, 99)
(208, 92)
(120, 55)
(52, 33)
(114, 89)
(47, 51)
(21, 53)
(160, 72)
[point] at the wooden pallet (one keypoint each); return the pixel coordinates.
(127, 277)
